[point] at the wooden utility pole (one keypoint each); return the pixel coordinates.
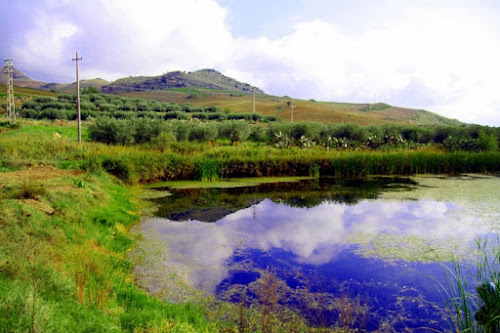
(78, 116)
(253, 101)
(11, 106)
(291, 119)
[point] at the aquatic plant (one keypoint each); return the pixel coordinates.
(472, 290)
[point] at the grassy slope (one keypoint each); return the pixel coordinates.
(64, 239)
(324, 112)
(304, 110)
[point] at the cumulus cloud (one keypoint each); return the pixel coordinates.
(426, 55)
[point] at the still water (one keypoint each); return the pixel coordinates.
(366, 246)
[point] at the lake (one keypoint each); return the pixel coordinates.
(363, 247)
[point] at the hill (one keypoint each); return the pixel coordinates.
(209, 80)
(70, 88)
(209, 87)
(20, 79)
(304, 110)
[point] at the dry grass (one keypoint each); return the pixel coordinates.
(304, 110)
(35, 173)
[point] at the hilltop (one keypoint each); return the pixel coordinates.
(205, 79)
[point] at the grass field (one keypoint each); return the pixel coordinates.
(67, 210)
(304, 110)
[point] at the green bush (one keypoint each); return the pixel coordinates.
(200, 115)
(234, 130)
(259, 133)
(487, 142)
(203, 132)
(217, 116)
(176, 115)
(180, 130)
(112, 131)
(146, 129)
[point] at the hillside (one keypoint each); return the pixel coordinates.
(304, 110)
(70, 88)
(20, 79)
(208, 80)
(209, 87)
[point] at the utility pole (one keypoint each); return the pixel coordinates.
(11, 106)
(253, 101)
(291, 119)
(78, 116)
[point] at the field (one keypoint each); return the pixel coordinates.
(304, 110)
(68, 208)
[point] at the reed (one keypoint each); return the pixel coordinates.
(471, 289)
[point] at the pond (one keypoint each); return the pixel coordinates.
(365, 249)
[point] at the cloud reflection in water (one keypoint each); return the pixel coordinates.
(314, 235)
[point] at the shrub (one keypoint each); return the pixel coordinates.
(271, 118)
(128, 107)
(217, 116)
(112, 131)
(200, 115)
(146, 129)
(180, 130)
(309, 130)
(487, 142)
(176, 115)
(87, 106)
(203, 132)
(108, 107)
(258, 134)
(234, 131)
(213, 108)
(172, 107)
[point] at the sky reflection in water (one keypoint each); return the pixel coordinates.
(362, 240)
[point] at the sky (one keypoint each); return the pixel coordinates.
(442, 56)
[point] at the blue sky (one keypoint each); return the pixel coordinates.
(443, 56)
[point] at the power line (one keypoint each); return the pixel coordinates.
(11, 107)
(78, 99)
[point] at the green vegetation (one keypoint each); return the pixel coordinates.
(63, 258)
(67, 208)
(474, 309)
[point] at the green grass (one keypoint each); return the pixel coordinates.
(471, 289)
(65, 221)
(63, 259)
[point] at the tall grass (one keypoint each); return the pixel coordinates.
(185, 160)
(472, 290)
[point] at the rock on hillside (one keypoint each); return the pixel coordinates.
(204, 79)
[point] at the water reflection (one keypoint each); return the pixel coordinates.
(344, 240)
